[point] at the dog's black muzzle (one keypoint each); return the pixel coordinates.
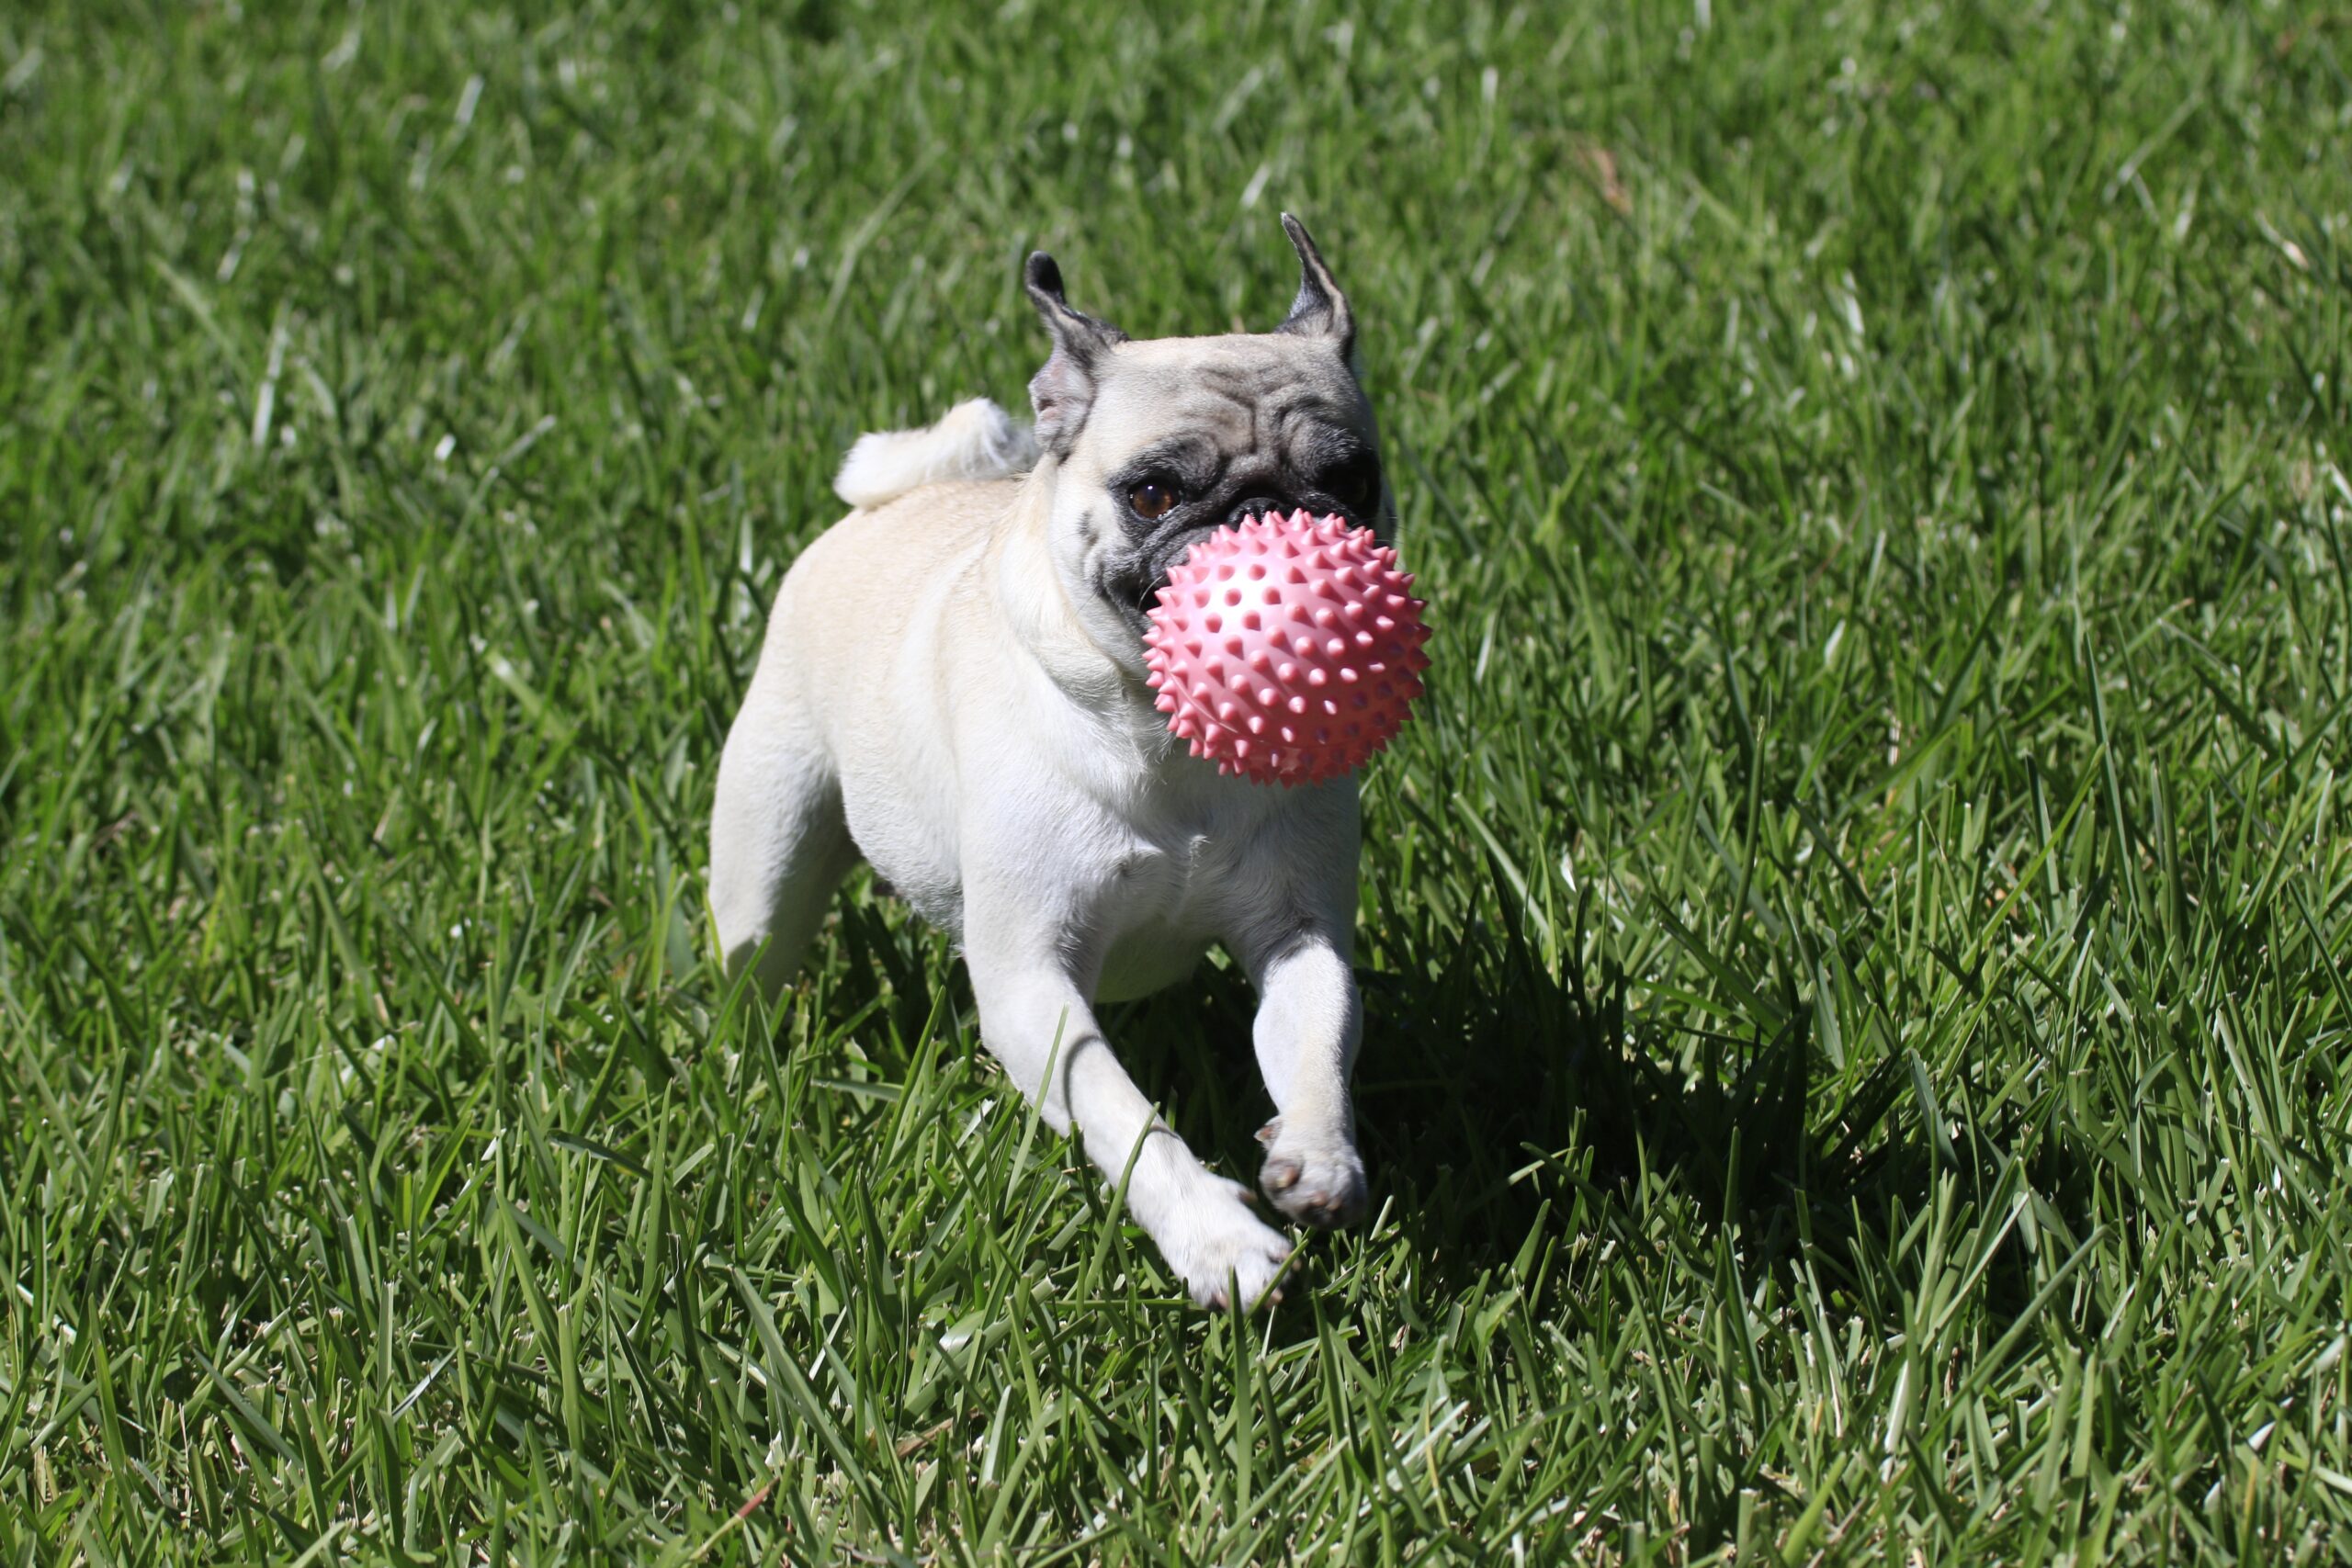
(1136, 591)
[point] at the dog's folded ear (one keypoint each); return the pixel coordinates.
(1064, 389)
(1320, 310)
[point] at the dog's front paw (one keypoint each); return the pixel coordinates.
(1217, 1246)
(1315, 1182)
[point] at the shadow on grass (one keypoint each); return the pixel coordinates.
(1493, 1071)
(1484, 1065)
(1488, 1082)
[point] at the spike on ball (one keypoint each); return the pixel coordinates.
(1269, 569)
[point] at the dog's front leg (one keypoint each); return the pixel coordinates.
(1309, 1022)
(1036, 1019)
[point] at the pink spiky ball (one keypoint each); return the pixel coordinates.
(1288, 649)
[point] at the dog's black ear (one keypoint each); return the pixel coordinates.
(1064, 389)
(1320, 310)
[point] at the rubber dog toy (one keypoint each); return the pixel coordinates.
(1288, 649)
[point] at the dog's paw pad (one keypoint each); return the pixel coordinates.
(1323, 1188)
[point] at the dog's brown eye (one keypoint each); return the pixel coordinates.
(1152, 499)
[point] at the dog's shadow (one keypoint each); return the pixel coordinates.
(1500, 1101)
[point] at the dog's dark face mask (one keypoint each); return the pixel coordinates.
(1156, 444)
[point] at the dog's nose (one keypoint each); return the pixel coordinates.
(1250, 509)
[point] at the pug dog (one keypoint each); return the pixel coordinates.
(953, 687)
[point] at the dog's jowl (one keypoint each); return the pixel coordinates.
(953, 687)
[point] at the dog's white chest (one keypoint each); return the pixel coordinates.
(1158, 918)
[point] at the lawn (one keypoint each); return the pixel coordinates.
(1859, 1059)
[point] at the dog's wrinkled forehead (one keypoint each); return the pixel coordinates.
(1231, 383)
(1158, 443)
(1240, 394)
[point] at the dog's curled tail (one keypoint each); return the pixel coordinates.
(975, 440)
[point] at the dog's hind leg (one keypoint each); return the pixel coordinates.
(779, 842)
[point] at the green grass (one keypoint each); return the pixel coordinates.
(1860, 1054)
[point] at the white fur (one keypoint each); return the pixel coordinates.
(940, 692)
(976, 440)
